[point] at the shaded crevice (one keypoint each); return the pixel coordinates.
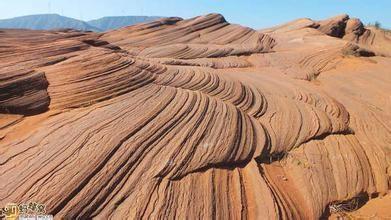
(268, 157)
(101, 43)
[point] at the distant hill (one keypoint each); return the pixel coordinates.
(110, 23)
(55, 21)
(46, 22)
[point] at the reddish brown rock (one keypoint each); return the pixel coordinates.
(195, 119)
(334, 26)
(354, 29)
(23, 92)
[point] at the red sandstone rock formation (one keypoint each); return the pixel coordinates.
(195, 119)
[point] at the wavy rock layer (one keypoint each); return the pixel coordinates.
(193, 119)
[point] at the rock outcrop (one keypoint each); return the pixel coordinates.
(352, 29)
(194, 119)
(335, 26)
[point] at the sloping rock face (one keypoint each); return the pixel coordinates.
(192, 119)
(201, 37)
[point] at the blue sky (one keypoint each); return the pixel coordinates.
(252, 13)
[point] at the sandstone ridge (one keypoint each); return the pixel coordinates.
(196, 119)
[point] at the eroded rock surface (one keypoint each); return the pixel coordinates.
(195, 119)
